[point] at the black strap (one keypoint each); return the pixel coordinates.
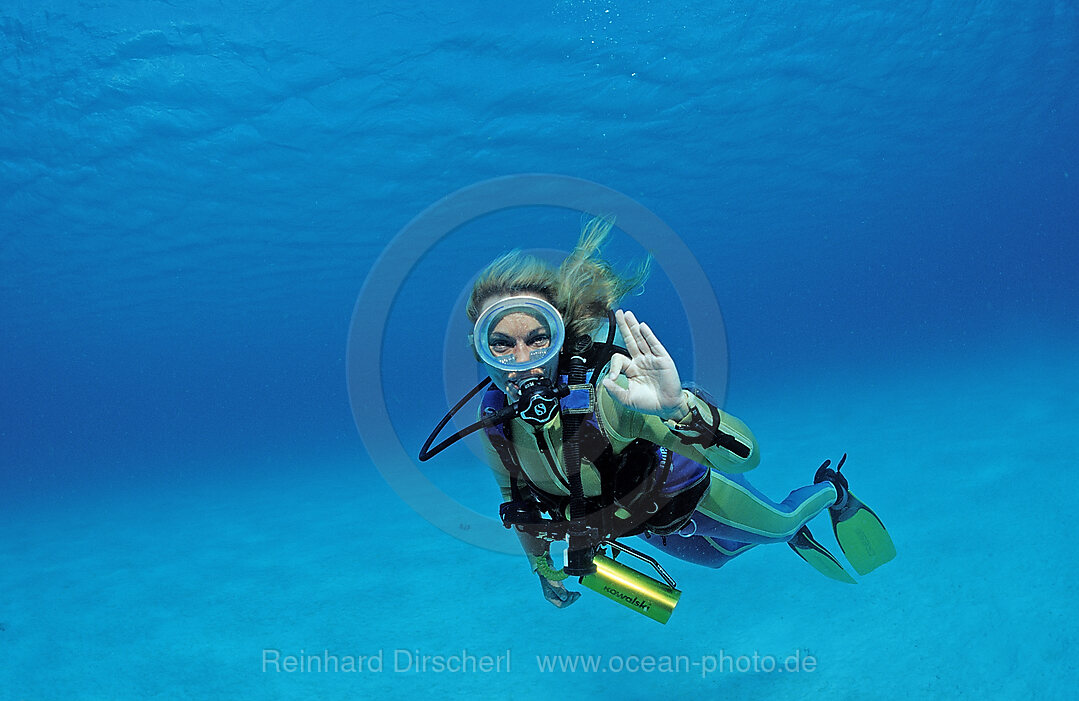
(709, 433)
(602, 355)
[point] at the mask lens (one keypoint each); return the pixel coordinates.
(518, 333)
(519, 338)
(507, 360)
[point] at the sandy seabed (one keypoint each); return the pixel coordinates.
(317, 581)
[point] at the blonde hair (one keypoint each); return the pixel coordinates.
(583, 288)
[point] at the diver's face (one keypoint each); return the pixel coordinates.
(515, 337)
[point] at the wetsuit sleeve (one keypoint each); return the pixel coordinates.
(502, 475)
(735, 451)
(533, 547)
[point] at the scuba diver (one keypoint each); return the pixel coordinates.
(585, 419)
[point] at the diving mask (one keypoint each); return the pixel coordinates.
(519, 338)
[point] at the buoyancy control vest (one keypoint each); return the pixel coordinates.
(645, 486)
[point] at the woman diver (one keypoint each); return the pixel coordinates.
(588, 421)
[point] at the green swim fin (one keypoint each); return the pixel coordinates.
(818, 556)
(860, 534)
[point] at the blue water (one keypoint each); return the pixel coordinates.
(884, 199)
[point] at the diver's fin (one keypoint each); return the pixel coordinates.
(818, 556)
(861, 535)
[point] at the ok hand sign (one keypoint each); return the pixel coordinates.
(654, 386)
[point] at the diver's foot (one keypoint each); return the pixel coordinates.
(825, 474)
(860, 534)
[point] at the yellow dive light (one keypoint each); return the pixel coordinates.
(632, 589)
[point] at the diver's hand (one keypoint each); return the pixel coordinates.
(551, 581)
(654, 386)
(556, 592)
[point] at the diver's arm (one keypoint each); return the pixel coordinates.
(724, 441)
(730, 447)
(536, 549)
(641, 397)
